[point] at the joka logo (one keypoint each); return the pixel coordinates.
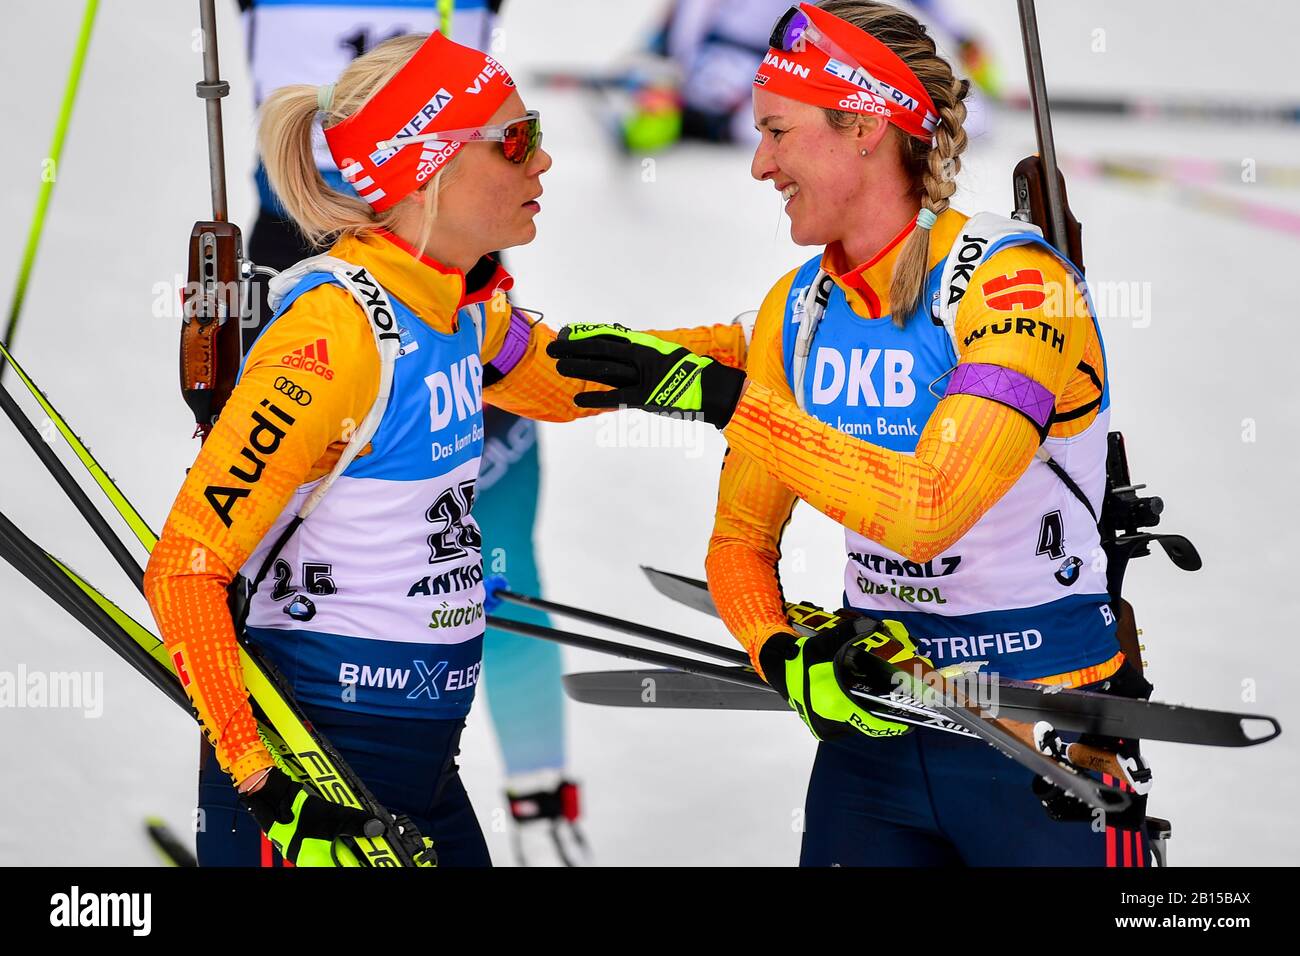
(863, 102)
(288, 386)
(263, 442)
(823, 296)
(787, 66)
(381, 318)
(1068, 572)
(1023, 289)
(314, 358)
(971, 251)
(377, 310)
(300, 608)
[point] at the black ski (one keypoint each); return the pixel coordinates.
(692, 592)
(891, 704)
(1072, 710)
(301, 750)
(672, 689)
(959, 716)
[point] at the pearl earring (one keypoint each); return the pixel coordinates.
(864, 152)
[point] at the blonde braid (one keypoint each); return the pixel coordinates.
(941, 164)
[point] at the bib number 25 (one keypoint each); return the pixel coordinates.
(451, 538)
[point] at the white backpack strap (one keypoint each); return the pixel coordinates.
(808, 317)
(379, 312)
(980, 233)
(476, 315)
(283, 282)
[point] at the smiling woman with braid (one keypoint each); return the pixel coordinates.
(936, 384)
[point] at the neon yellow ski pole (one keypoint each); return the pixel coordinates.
(49, 176)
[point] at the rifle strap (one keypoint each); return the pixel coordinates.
(379, 312)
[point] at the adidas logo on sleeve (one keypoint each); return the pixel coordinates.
(312, 358)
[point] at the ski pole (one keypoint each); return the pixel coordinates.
(47, 180)
(56, 580)
(728, 654)
(139, 527)
(79, 498)
(888, 708)
(645, 655)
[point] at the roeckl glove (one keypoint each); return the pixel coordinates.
(646, 372)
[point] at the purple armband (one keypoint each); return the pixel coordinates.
(1006, 386)
(516, 342)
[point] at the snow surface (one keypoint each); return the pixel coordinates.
(699, 243)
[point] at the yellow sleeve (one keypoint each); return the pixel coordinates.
(753, 508)
(534, 389)
(309, 380)
(972, 449)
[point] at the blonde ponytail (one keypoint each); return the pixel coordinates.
(284, 138)
(933, 167)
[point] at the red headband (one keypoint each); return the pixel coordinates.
(443, 86)
(889, 88)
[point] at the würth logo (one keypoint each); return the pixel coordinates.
(313, 358)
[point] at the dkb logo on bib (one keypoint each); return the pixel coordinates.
(891, 368)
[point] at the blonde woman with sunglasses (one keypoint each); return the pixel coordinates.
(340, 477)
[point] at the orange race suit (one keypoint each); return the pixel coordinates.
(927, 442)
(379, 593)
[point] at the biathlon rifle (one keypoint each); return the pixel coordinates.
(216, 299)
(1040, 198)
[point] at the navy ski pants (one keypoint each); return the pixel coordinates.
(409, 765)
(930, 798)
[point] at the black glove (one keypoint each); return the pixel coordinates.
(301, 825)
(646, 372)
(814, 675)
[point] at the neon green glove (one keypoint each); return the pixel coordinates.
(646, 372)
(810, 673)
(303, 826)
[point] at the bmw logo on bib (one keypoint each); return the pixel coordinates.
(1068, 572)
(301, 608)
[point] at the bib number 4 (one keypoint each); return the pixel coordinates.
(1051, 536)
